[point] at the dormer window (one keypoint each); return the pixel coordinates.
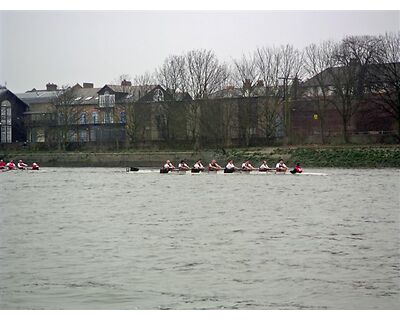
(107, 100)
(158, 95)
(5, 123)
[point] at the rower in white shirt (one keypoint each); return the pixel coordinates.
(264, 167)
(246, 166)
(280, 166)
(182, 166)
(230, 167)
(169, 166)
(213, 166)
(198, 166)
(21, 165)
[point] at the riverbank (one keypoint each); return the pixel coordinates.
(377, 156)
(329, 156)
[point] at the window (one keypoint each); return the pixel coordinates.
(122, 117)
(73, 136)
(82, 118)
(107, 100)
(92, 133)
(253, 131)
(78, 98)
(88, 98)
(83, 135)
(108, 118)
(5, 122)
(158, 95)
(94, 117)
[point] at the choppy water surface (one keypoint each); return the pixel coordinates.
(106, 239)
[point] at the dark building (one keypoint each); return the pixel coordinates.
(362, 95)
(12, 110)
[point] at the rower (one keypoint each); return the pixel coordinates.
(35, 166)
(21, 165)
(214, 166)
(264, 167)
(198, 166)
(280, 166)
(246, 166)
(11, 165)
(2, 164)
(168, 166)
(297, 169)
(230, 167)
(183, 166)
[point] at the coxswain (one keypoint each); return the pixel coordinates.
(2, 164)
(246, 166)
(297, 169)
(264, 167)
(280, 166)
(168, 166)
(21, 165)
(230, 167)
(214, 166)
(198, 166)
(182, 166)
(35, 166)
(11, 165)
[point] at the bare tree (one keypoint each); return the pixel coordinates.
(68, 112)
(348, 68)
(145, 79)
(173, 74)
(291, 62)
(270, 117)
(316, 61)
(384, 78)
(290, 66)
(205, 74)
(268, 62)
(277, 68)
(245, 74)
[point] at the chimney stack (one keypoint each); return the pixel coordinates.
(247, 84)
(51, 87)
(88, 85)
(126, 83)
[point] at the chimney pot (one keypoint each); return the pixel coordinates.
(126, 83)
(88, 85)
(51, 87)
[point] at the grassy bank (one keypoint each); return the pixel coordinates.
(310, 156)
(320, 156)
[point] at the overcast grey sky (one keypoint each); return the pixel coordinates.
(68, 47)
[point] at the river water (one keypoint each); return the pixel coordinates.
(95, 238)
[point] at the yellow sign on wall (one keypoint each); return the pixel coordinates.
(315, 116)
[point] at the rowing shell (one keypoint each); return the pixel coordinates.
(219, 172)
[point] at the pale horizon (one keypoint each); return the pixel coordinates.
(68, 47)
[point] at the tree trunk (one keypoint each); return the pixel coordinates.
(321, 112)
(398, 130)
(345, 131)
(322, 129)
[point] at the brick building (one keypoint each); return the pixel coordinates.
(12, 128)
